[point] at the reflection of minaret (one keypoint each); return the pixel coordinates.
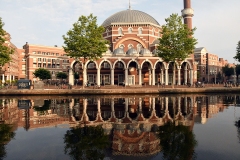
(187, 13)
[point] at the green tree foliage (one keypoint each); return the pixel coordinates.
(85, 39)
(237, 70)
(227, 71)
(86, 143)
(5, 51)
(62, 75)
(177, 41)
(237, 57)
(42, 73)
(6, 135)
(177, 142)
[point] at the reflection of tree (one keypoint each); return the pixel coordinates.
(237, 124)
(177, 142)
(86, 143)
(6, 135)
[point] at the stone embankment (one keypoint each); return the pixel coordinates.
(117, 91)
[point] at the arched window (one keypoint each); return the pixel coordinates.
(139, 47)
(107, 31)
(130, 46)
(120, 31)
(153, 31)
(121, 46)
(130, 30)
(140, 30)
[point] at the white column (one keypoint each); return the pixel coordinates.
(98, 76)
(174, 76)
(166, 77)
(179, 76)
(162, 77)
(10, 78)
(3, 80)
(126, 76)
(84, 75)
(185, 76)
(191, 76)
(112, 76)
(149, 77)
(153, 77)
(13, 77)
(70, 77)
(140, 76)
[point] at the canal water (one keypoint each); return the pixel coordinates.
(151, 127)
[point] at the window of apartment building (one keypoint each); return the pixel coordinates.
(44, 59)
(39, 60)
(39, 52)
(39, 65)
(57, 54)
(57, 66)
(44, 65)
(43, 53)
(23, 60)
(91, 65)
(57, 60)
(52, 54)
(120, 31)
(24, 66)
(48, 53)
(140, 30)
(49, 66)
(34, 52)
(49, 60)
(153, 31)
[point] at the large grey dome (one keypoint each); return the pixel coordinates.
(129, 16)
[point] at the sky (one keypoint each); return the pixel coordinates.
(44, 22)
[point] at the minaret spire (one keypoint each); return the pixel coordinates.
(129, 5)
(187, 13)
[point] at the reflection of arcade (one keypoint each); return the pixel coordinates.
(133, 120)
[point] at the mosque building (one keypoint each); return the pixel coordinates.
(131, 58)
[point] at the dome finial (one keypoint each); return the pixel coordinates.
(129, 5)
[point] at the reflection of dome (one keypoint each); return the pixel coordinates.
(129, 16)
(118, 51)
(145, 51)
(132, 51)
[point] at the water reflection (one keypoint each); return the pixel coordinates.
(86, 143)
(135, 125)
(6, 134)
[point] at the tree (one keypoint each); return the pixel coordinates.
(6, 135)
(5, 51)
(85, 40)
(228, 71)
(177, 141)
(237, 57)
(42, 73)
(86, 142)
(237, 71)
(62, 75)
(177, 41)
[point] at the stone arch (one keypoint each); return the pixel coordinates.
(132, 60)
(88, 61)
(189, 63)
(147, 60)
(130, 38)
(119, 60)
(106, 60)
(164, 64)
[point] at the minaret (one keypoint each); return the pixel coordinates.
(187, 13)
